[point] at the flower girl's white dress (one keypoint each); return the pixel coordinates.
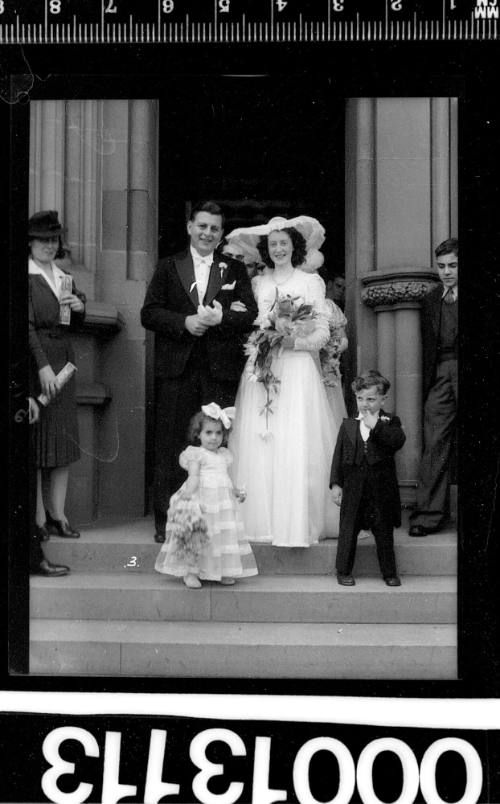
(284, 462)
(227, 551)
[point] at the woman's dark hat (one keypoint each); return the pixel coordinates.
(44, 224)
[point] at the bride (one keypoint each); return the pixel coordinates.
(283, 449)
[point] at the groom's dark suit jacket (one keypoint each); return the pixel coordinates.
(349, 468)
(172, 296)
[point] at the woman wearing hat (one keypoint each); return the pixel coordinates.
(284, 435)
(56, 432)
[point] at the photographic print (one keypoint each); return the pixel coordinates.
(238, 463)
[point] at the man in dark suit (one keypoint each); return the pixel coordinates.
(363, 478)
(200, 307)
(439, 327)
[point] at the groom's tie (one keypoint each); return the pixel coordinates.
(449, 297)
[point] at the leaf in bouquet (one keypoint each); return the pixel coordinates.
(303, 311)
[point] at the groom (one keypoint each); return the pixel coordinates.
(199, 337)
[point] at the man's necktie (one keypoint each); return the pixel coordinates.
(449, 297)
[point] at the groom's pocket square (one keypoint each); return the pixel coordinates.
(229, 287)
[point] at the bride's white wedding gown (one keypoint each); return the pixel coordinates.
(285, 465)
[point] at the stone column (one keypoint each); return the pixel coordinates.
(440, 171)
(63, 173)
(127, 256)
(395, 298)
(360, 231)
(47, 144)
(141, 187)
(82, 180)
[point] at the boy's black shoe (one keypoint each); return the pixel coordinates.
(346, 580)
(394, 581)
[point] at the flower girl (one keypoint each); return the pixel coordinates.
(204, 536)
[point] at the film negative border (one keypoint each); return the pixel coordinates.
(271, 21)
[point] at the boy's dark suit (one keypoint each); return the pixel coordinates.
(192, 371)
(370, 495)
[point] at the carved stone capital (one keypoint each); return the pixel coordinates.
(404, 287)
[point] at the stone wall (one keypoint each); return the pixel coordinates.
(96, 163)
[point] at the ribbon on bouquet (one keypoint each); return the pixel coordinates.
(225, 415)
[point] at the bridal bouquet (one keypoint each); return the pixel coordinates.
(288, 316)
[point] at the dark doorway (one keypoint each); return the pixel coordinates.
(260, 145)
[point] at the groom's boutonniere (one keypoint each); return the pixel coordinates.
(385, 418)
(223, 269)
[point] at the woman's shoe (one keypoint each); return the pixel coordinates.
(41, 533)
(58, 527)
(192, 581)
(49, 570)
(227, 581)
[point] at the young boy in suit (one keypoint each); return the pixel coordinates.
(363, 478)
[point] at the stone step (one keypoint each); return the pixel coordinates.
(262, 599)
(129, 546)
(243, 650)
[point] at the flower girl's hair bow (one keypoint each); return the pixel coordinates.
(225, 415)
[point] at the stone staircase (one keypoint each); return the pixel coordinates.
(113, 615)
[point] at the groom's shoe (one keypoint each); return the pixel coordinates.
(420, 530)
(159, 537)
(346, 580)
(394, 580)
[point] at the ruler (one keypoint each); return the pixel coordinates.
(245, 21)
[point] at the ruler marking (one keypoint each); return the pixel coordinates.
(275, 29)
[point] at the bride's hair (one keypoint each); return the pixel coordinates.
(298, 243)
(196, 426)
